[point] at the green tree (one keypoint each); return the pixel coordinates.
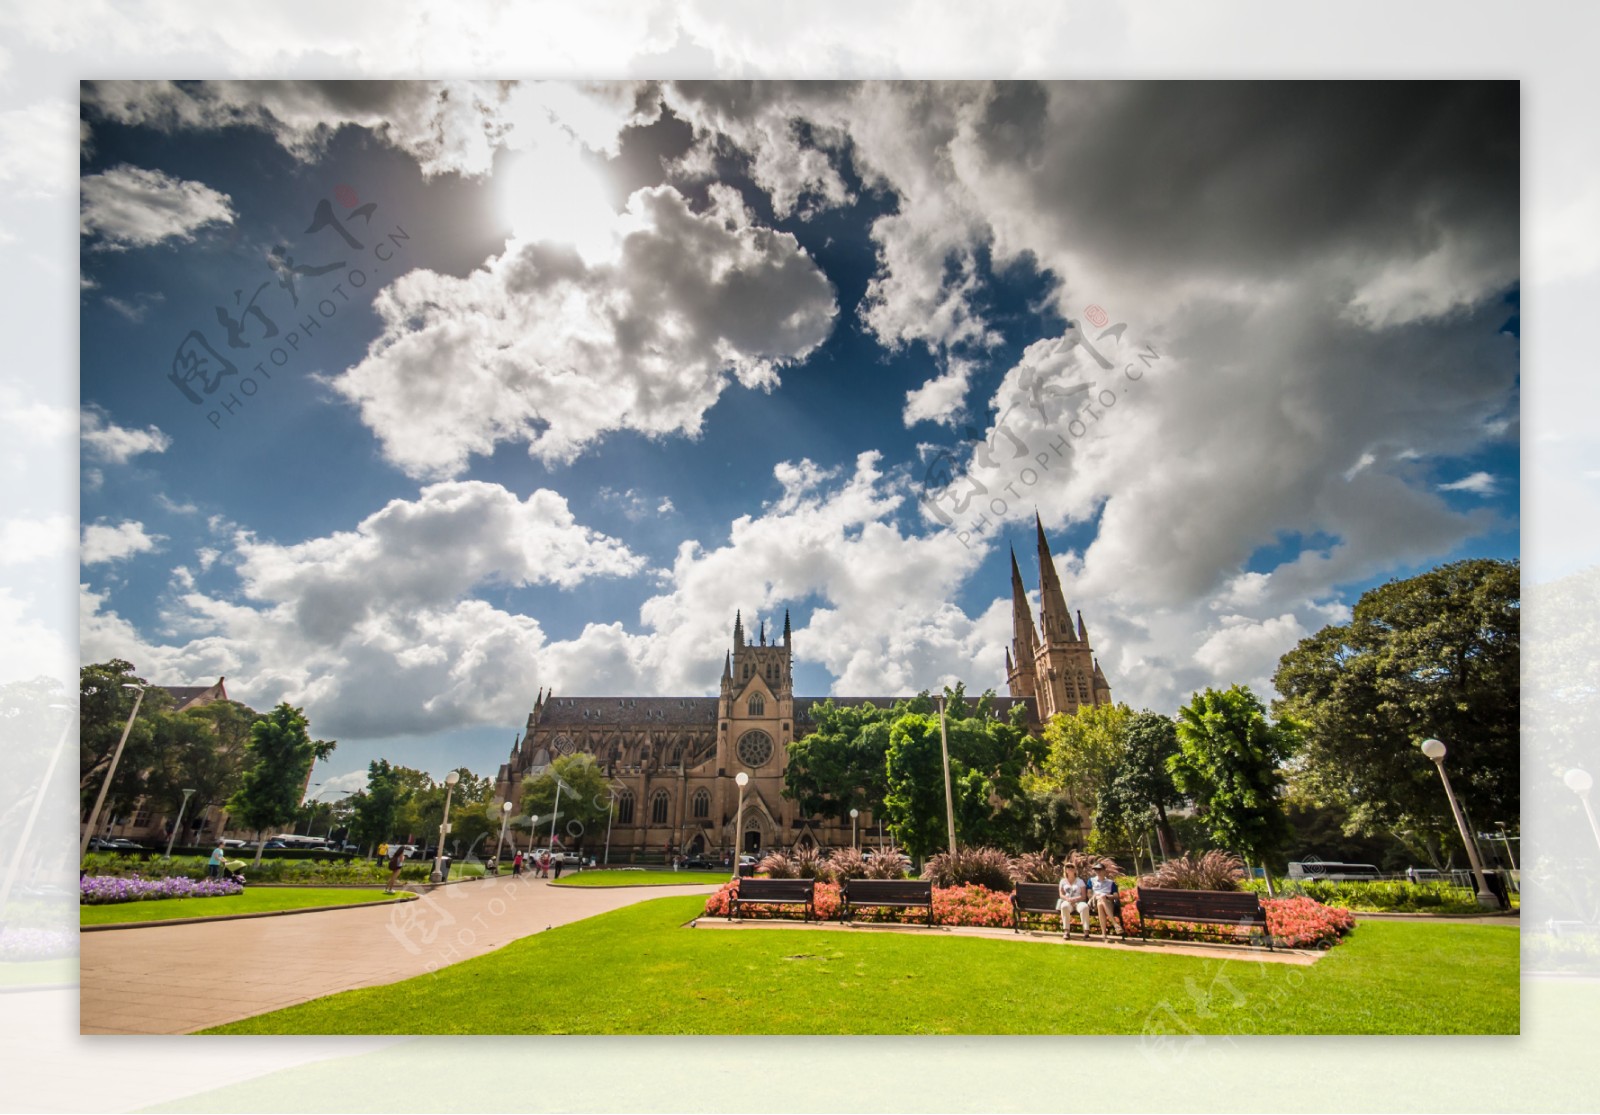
(1141, 787)
(1435, 655)
(840, 764)
(1229, 761)
(1085, 750)
(202, 749)
(988, 758)
(278, 763)
(103, 708)
(585, 799)
(375, 808)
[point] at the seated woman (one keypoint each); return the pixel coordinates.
(1103, 893)
(1072, 897)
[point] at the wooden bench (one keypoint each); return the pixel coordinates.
(775, 892)
(1032, 898)
(908, 893)
(1210, 907)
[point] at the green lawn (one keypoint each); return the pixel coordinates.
(254, 900)
(27, 972)
(636, 971)
(604, 878)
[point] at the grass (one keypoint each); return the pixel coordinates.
(25, 973)
(637, 971)
(252, 901)
(604, 878)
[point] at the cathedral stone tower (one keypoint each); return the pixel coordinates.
(1056, 666)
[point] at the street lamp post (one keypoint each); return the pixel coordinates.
(742, 780)
(949, 801)
(611, 806)
(1435, 750)
(1580, 782)
(187, 794)
(1506, 840)
(854, 813)
(450, 781)
(505, 819)
(111, 772)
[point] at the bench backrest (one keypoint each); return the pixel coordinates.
(888, 892)
(1036, 896)
(1217, 906)
(777, 890)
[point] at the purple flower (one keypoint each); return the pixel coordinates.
(101, 890)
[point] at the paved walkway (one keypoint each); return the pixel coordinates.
(179, 978)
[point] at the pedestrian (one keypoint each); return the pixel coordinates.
(493, 866)
(555, 865)
(516, 864)
(214, 864)
(397, 860)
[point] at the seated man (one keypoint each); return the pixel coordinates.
(1103, 892)
(1072, 897)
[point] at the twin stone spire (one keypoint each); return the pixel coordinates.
(1055, 663)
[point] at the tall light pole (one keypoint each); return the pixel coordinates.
(187, 794)
(1580, 782)
(854, 813)
(505, 819)
(611, 805)
(742, 780)
(111, 772)
(555, 815)
(949, 801)
(1506, 840)
(21, 844)
(450, 781)
(1435, 750)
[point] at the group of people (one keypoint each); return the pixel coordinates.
(1096, 895)
(542, 864)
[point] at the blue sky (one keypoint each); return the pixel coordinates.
(645, 354)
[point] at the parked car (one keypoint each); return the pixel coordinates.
(1334, 872)
(231, 843)
(748, 860)
(114, 844)
(697, 863)
(568, 859)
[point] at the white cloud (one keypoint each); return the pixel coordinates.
(545, 347)
(104, 440)
(129, 205)
(40, 142)
(103, 543)
(24, 540)
(1478, 483)
(942, 398)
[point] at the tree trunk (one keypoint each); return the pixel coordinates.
(1169, 842)
(261, 846)
(1266, 873)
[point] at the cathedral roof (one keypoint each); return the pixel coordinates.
(629, 710)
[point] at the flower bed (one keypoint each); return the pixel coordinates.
(1293, 922)
(102, 890)
(20, 944)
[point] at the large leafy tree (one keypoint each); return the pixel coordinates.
(278, 763)
(103, 708)
(585, 799)
(1229, 761)
(840, 764)
(1435, 655)
(1085, 750)
(988, 758)
(376, 808)
(202, 749)
(1141, 788)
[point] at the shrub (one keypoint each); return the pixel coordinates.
(987, 867)
(971, 905)
(1035, 867)
(1084, 862)
(1211, 871)
(825, 902)
(777, 865)
(892, 864)
(809, 864)
(847, 863)
(960, 905)
(1390, 895)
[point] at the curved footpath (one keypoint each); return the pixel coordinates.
(174, 979)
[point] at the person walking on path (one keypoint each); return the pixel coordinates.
(555, 866)
(516, 864)
(397, 860)
(214, 864)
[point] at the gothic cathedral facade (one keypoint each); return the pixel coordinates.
(672, 761)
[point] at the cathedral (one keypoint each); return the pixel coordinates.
(672, 760)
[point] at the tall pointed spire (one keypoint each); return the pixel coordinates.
(727, 666)
(738, 629)
(763, 630)
(1054, 619)
(787, 634)
(1022, 635)
(1083, 635)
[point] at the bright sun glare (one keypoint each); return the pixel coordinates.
(552, 193)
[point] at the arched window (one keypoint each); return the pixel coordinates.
(625, 808)
(658, 807)
(702, 805)
(758, 705)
